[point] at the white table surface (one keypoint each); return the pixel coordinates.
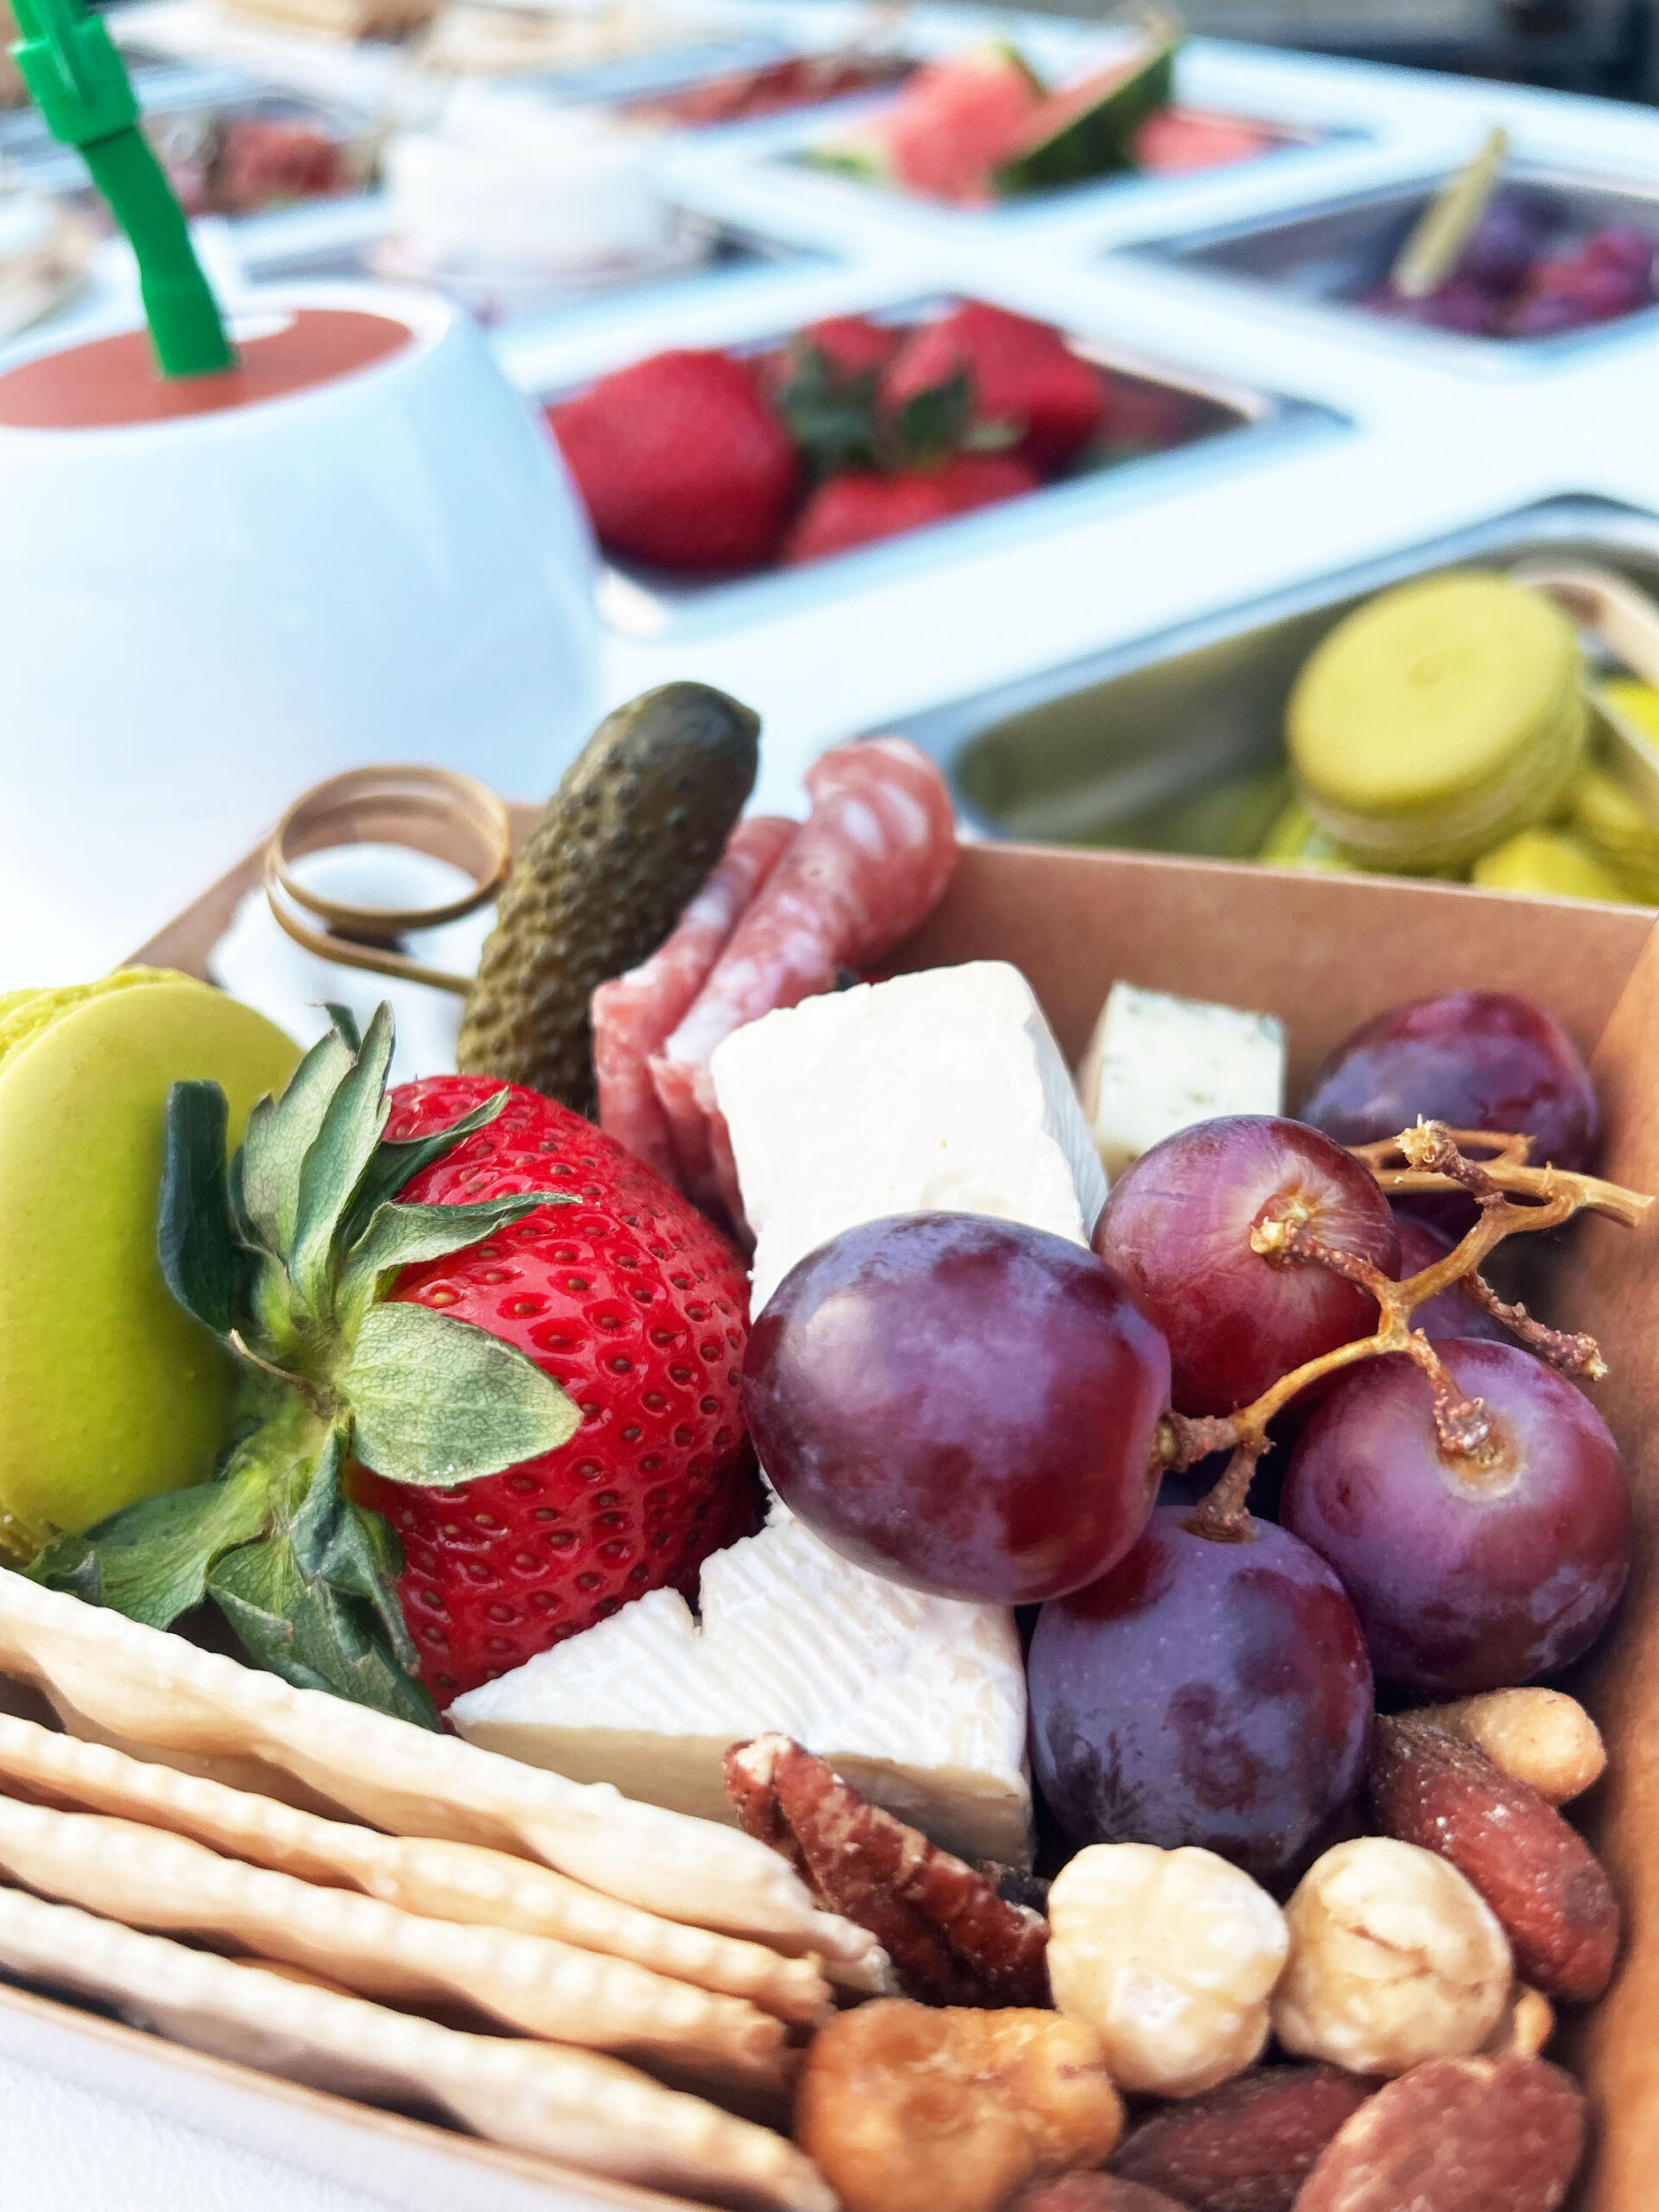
(70, 2149)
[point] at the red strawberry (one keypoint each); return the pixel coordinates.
(862, 506)
(533, 1343)
(1024, 375)
(852, 344)
(680, 463)
(633, 1303)
(837, 363)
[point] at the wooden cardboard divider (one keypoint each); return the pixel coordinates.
(1322, 953)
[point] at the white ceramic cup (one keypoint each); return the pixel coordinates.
(199, 617)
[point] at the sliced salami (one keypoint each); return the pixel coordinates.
(868, 867)
(634, 1015)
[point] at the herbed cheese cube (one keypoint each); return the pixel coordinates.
(1157, 1064)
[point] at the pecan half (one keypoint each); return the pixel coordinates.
(1549, 1891)
(951, 1937)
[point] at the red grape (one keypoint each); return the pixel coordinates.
(1506, 241)
(1177, 1228)
(1450, 1314)
(1203, 1693)
(1473, 1060)
(1466, 1577)
(960, 1404)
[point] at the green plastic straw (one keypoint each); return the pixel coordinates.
(80, 85)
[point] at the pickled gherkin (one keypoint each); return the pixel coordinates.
(636, 825)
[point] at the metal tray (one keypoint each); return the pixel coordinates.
(1285, 138)
(342, 239)
(1157, 745)
(180, 120)
(1332, 252)
(647, 602)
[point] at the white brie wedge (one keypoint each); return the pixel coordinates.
(1156, 1064)
(919, 1701)
(942, 1090)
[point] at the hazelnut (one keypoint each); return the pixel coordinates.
(1172, 1955)
(1394, 1959)
(909, 2108)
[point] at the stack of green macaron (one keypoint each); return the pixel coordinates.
(1443, 728)
(111, 1392)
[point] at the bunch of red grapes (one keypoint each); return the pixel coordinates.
(1517, 278)
(974, 1408)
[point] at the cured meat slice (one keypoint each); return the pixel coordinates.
(868, 867)
(634, 1015)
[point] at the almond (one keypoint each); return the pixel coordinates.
(1246, 2146)
(1548, 1891)
(1456, 2135)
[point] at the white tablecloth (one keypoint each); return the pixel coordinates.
(68, 2149)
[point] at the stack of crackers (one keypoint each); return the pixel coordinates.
(277, 1876)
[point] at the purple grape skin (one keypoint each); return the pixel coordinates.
(1463, 1588)
(1203, 1693)
(1474, 1059)
(1457, 305)
(1450, 1314)
(963, 1405)
(1502, 245)
(1177, 1228)
(1547, 314)
(1622, 246)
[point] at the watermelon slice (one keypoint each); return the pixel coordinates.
(1177, 141)
(948, 129)
(1091, 131)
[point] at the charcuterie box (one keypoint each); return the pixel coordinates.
(1320, 954)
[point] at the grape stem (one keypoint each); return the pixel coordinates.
(1514, 1199)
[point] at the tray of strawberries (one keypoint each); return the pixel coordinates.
(700, 466)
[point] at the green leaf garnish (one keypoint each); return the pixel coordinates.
(336, 1159)
(400, 1159)
(397, 1236)
(203, 1263)
(438, 1402)
(151, 1561)
(265, 1175)
(345, 1022)
(312, 1634)
(933, 423)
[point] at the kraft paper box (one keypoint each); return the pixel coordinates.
(1322, 953)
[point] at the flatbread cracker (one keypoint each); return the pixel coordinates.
(152, 1693)
(148, 1878)
(594, 2114)
(439, 1881)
